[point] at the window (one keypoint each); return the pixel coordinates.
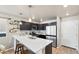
(3, 27)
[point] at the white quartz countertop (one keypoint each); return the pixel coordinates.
(35, 44)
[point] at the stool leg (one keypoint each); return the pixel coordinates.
(22, 50)
(19, 49)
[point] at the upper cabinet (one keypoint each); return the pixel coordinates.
(41, 26)
(25, 26)
(28, 26)
(34, 26)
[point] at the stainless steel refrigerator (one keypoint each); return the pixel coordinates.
(51, 32)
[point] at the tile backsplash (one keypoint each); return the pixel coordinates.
(36, 31)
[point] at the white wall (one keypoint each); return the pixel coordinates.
(70, 31)
(58, 32)
(3, 25)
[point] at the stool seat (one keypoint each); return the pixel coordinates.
(19, 45)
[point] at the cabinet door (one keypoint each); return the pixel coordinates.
(69, 31)
(34, 26)
(25, 26)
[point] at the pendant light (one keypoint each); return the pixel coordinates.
(30, 19)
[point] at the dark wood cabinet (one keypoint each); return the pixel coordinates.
(30, 26)
(41, 26)
(34, 26)
(48, 49)
(25, 26)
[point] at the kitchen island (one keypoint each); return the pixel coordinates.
(34, 44)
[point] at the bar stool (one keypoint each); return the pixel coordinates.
(19, 49)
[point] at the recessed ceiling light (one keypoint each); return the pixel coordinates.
(65, 6)
(67, 14)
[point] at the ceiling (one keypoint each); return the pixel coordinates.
(46, 12)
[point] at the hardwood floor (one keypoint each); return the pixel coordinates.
(61, 50)
(64, 50)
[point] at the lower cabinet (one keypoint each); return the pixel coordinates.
(48, 49)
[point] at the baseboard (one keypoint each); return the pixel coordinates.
(69, 47)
